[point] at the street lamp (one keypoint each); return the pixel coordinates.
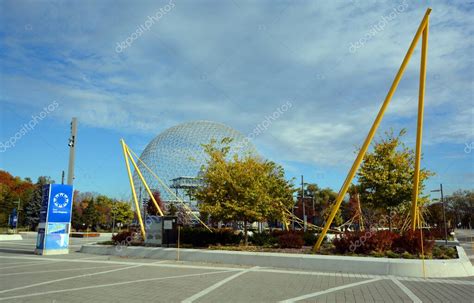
(440, 190)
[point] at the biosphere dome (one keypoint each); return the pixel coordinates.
(176, 156)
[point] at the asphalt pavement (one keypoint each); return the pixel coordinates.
(78, 277)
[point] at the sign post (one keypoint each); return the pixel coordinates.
(55, 220)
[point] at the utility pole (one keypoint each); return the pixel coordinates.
(114, 208)
(444, 215)
(302, 202)
(440, 190)
(72, 151)
(62, 177)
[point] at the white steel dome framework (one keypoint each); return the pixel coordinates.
(176, 155)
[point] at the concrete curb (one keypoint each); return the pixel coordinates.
(10, 237)
(460, 267)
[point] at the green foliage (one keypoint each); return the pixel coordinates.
(202, 237)
(460, 205)
(244, 189)
(99, 212)
(386, 174)
(90, 215)
(122, 237)
(338, 220)
(33, 206)
(309, 238)
(123, 212)
(263, 239)
(443, 252)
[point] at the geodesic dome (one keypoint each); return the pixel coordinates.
(177, 152)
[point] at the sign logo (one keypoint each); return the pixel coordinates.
(61, 200)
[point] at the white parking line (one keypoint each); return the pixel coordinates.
(217, 285)
(68, 278)
(17, 263)
(29, 264)
(54, 270)
(267, 270)
(111, 284)
(126, 263)
(20, 249)
(20, 244)
(405, 289)
(330, 290)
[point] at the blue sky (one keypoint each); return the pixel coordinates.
(233, 62)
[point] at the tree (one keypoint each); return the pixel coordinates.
(150, 206)
(123, 212)
(33, 206)
(243, 189)
(386, 173)
(12, 190)
(460, 205)
(90, 215)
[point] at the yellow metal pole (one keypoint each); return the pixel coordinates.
(144, 182)
(372, 131)
(169, 190)
(419, 127)
(124, 147)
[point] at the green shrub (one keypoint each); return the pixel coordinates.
(263, 239)
(202, 237)
(443, 252)
(310, 238)
(123, 237)
(407, 255)
(391, 254)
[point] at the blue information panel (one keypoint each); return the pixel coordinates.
(55, 219)
(13, 219)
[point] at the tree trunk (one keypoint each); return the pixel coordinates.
(246, 238)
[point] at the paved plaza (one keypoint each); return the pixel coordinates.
(78, 277)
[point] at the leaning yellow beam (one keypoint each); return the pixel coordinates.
(143, 181)
(419, 127)
(132, 186)
(372, 131)
(169, 190)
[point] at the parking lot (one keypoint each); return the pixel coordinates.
(78, 277)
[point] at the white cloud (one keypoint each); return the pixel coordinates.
(217, 61)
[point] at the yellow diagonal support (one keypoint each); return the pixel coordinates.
(169, 190)
(132, 186)
(419, 126)
(143, 181)
(373, 129)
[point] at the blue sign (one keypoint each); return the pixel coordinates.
(13, 219)
(60, 203)
(55, 219)
(57, 236)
